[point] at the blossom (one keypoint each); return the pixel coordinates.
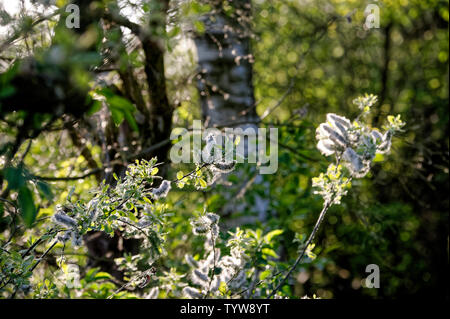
(191, 293)
(199, 277)
(356, 163)
(333, 135)
(386, 142)
(77, 240)
(162, 190)
(365, 102)
(63, 219)
(191, 261)
(64, 237)
(214, 218)
(223, 167)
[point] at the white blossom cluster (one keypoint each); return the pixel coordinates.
(215, 271)
(62, 219)
(355, 145)
(162, 190)
(126, 206)
(215, 154)
(355, 142)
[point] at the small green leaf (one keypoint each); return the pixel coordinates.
(131, 216)
(26, 205)
(272, 234)
(199, 26)
(44, 190)
(72, 190)
(96, 106)
(202, 183)
(269, 252)
(174, 32)
(264, 274)
(14, 177)
(102, 275)
(378, 158)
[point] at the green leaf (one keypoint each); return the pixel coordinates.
(7, 91)
(272, 234)
(72, 190)
(131, 120)
(102, 275)
(202, 183)
(26, 205)
(199, 26)
(120, 108)
(15, 178)
(131, 216)
(45, 190)
(378, 158)
(96, 106)
(269, 252)
(264, 274)
(117, 116)
(174, 32)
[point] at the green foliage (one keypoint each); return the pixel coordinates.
(311, 58)
(120, 108)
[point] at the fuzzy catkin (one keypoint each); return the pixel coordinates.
(224, 167)
(191, 293)
(62, 219)
(162, 190)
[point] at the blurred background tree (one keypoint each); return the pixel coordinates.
(78, 105)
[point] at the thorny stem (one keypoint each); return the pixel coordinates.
(308, 242)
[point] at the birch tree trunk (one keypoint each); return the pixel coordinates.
(225, 83)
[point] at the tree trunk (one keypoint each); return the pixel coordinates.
(225, 84)
(225, 81)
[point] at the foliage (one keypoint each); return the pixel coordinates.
(216, 229)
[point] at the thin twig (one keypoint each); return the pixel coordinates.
(308, 242)
(214, 265)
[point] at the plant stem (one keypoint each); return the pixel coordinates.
(326, 205)
(214, 266)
